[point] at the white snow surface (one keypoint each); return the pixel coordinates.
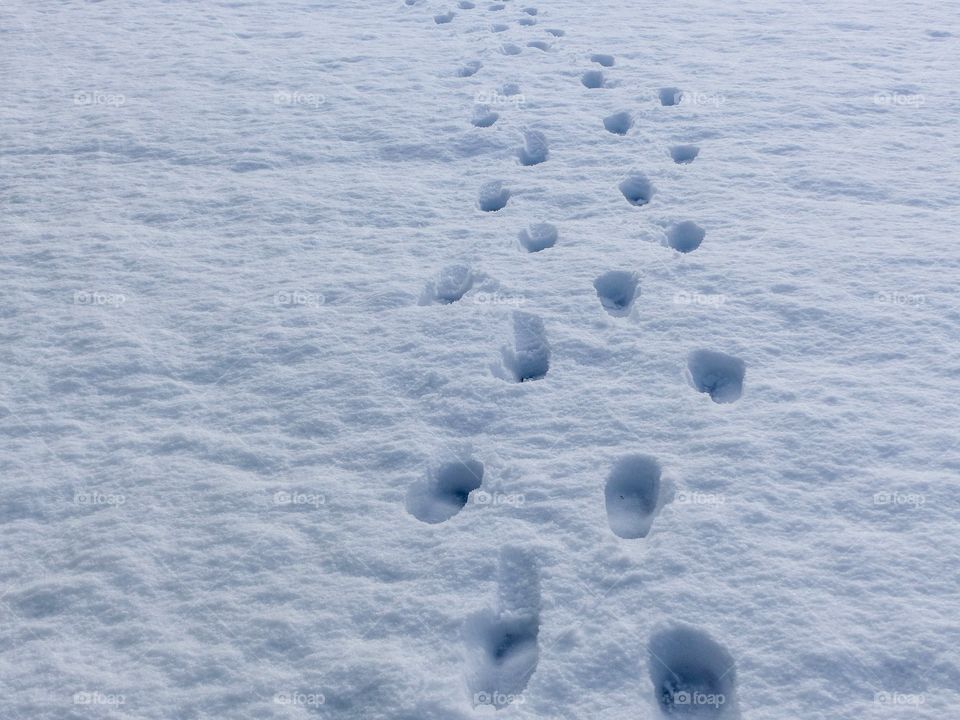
(251, 301)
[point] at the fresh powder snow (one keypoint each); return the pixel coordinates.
(439, 360)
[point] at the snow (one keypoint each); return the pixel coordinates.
(315, 387)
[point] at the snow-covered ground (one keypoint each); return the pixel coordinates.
(372, 359)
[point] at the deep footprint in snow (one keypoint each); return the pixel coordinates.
(618, 123)
(634, 495)
(493, 196)
(530, 10)
(534, 150)
(556, 32)
(483, 116)
(685, 236)
(716, 373)
(496, 6)
(539, 45)
(670, 96)
(637, 189)
(538, 237)
(602, 59)
(469, 69)
(693, 675)
(502, 650)
(450, 285)
(529, 359)
(498, 27)
(593, 79)
(684, 154)
(444, 18)
(445, 491)
(617, 290)
(510, 49)
(527, 21)
(466, 5)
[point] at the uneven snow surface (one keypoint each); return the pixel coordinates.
(421, 360)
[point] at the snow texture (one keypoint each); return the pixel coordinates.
(295, 427)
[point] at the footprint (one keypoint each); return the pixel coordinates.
(637, 189)
(483, 116)
(450, 285)
(634, 495)
(509, 89)
(496, 6)
(556, 32)
(593, 79)
(444, 18)
(693, 675)
(493, 196)
(469, 69)
(445, 491)
(716, 373)
(534, 150)
(530, 10)
(539, 45)
(618, 123)
(538, 237)
(466, 5)
(685, 236)
(502, 650)
(617, 290)
(498, 27)
(602, 59)
(526, 22)
(510, 49)
(684, 154)
(670, 96)
(530, 357)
